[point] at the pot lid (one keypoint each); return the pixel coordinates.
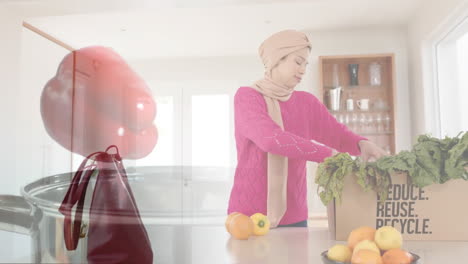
(160, 191)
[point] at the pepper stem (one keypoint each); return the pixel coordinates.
(261, 223)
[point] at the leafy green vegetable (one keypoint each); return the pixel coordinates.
(458, 159)
(431, 161)
(330, 175)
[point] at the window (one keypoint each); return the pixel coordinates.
(195, 125)
(207, 114)
(210, 130)
(164, 153)
(452, 80)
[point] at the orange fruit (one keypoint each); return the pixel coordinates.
(228, 220)
(397, 256)
(359, 234)
(240, 226)
(365, 256)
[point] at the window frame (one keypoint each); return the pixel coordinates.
(430, 68)
(182, 91)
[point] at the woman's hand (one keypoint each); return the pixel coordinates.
(334, 152)
(370, 151)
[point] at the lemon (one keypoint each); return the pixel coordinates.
(340, 253)
(366, 244)
(388, 237)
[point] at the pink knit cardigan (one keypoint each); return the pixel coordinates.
(305, 119)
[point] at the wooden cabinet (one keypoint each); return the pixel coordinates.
(359, 90)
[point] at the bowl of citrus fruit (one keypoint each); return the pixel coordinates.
(367, 245)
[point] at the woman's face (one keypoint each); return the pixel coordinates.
(291, 68)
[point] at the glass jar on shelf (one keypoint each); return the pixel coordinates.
(353, 74)
(335, 77)
(370, 123)
(387, 122)
(362, 123)
(387, 150)
(379, 123)
(375, 74)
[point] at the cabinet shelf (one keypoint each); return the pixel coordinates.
(375, 133)
(336, 71)
(360, 87)
(358, 111)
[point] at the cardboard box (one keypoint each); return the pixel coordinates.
(436, 212)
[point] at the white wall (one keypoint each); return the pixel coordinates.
(244, 69)
(13, 246)
(9, 74)
(429, 25)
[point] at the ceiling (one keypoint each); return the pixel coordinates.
(149, 29)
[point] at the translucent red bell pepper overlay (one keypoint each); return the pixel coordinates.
(96, 100)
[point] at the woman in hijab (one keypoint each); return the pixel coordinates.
(278, 130)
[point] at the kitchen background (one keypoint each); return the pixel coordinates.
(195, 55)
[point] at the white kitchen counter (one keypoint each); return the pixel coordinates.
(203, 244)
(212, 244)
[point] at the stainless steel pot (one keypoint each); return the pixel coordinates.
(168, 198)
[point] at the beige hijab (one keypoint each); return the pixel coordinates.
(272, 50)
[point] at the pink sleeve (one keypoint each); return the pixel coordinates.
(253, 121)
(327, 130)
